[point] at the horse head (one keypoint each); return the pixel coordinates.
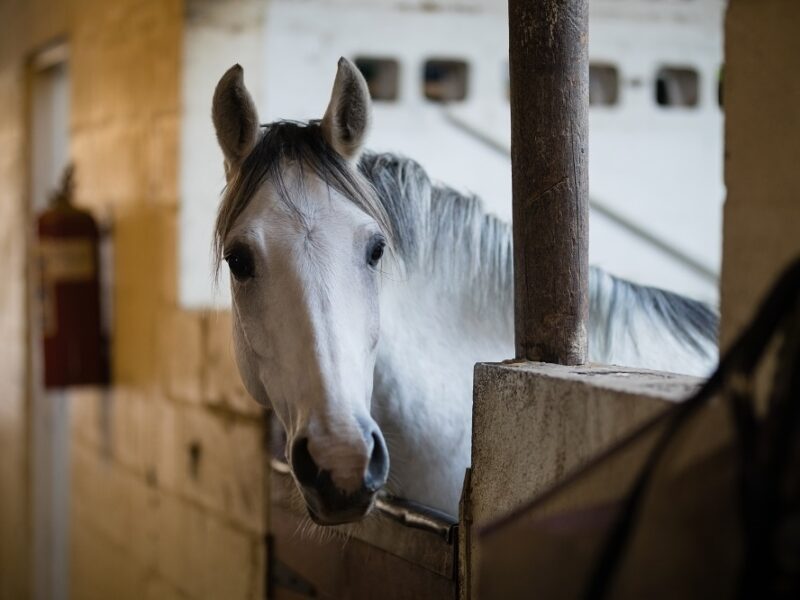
(303, 235)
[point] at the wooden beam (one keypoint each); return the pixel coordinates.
(549, 64)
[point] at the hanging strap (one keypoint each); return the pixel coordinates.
(734, 375)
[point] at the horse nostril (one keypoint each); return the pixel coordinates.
(378, 467)
(303, 465)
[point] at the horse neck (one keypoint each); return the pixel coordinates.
(433, 331)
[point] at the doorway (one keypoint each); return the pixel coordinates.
(49, 410)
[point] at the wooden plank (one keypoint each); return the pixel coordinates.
(424, 549)
(344, 569)
(560, 416)
(549, 69)
(687, 540)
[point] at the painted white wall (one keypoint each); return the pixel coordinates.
(660, 168)
(217, 35)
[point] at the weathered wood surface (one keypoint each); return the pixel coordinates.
(549, 68)
(687, 542)
(340, 569)
(377, 558)
(561, 417)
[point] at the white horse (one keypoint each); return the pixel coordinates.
(349, 342)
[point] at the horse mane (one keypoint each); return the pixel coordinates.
(448, 235)
(437, 231)
(614, 303)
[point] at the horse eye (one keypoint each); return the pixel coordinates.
(240, 262)
(376, 252)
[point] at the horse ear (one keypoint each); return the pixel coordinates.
(235, 117)
(347, 119)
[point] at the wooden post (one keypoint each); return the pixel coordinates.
(549, 62)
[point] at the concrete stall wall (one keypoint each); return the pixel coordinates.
(762, 150)
(168, 487)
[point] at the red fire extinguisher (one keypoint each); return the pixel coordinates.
(68, 252)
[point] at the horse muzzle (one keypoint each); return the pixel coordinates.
(329, 504)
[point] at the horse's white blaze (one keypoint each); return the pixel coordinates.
(310, 320)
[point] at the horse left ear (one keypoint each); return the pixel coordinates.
(347, 119)
(235, 118)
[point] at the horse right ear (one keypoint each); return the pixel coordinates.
(347, 118)
(235, 118)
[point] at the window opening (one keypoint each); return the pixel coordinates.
(446, 80)
(677, 86)
(603, 85)
(382, 76)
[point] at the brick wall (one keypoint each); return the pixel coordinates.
(168, 488)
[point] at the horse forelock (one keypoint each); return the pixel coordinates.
(428, 226)
(301, 145)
